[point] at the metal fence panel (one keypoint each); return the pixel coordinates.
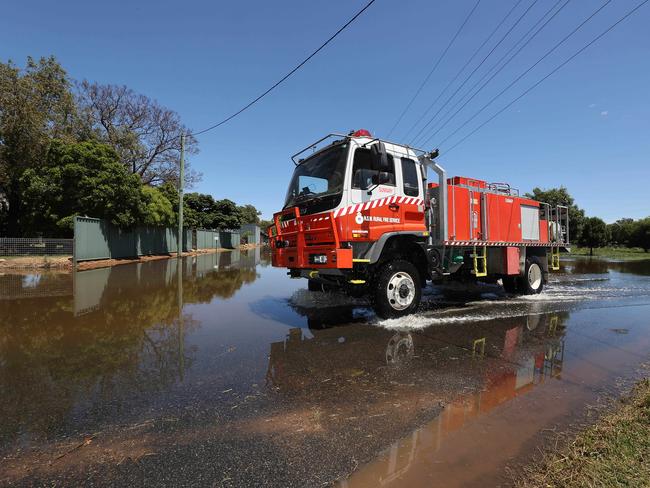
(229, 239)
(251, 232)
(97, 239)
(207, 239)
(91, 239)
(235, 240)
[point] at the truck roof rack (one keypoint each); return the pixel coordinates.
(342, 137)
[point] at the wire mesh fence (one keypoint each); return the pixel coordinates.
(16, 286)
(19, 246)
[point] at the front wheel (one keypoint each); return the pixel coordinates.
(398, 289)
(532, 282)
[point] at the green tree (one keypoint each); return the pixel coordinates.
(621, 232)
(156, 208)
(594, 233)
(249, 214)
(36, 104)
(84, 178)
(641, 234)
(203, 211)
(561, 196)
(265, 224)
(226, 215)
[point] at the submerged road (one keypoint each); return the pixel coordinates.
(218, 370)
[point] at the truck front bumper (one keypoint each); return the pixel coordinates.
(312, 257)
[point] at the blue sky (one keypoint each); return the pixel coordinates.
(587, 127)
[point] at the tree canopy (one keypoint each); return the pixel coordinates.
(82, 178)
(594, 233)
(145, 135)
(204, 212)
(36, 104)
(641, 234)
(103, 151)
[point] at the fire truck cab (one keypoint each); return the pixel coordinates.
(361, 216)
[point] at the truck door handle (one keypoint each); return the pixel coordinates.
(394, 207)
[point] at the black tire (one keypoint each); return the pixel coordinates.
(315, 285)
(397, 289)
(532, 282)
(509, 284)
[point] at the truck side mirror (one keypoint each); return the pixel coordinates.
(380, 178)
(379, 157)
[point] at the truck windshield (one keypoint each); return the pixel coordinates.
(318, 177)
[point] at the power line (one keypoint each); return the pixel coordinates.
(476, 68)
(426, 79)
(568, 60)
(300, 65)
(550, 51)
(487, 73)
(471, 58)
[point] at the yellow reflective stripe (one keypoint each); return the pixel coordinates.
(357, 282)
(361, 260)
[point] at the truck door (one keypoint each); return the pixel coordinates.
(374, 214)
(410, 191)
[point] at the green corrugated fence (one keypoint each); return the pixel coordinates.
(98, 239)
(207, 239)
(229, 239)
(251, 232)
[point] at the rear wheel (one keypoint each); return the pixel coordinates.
(532, 282)
(398, 289)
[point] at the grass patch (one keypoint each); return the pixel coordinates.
(612, 252)
(613, 452)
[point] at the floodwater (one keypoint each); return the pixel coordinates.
(219, 370)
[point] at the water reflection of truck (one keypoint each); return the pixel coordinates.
(360, 216)
(528, 349)
(534, 369)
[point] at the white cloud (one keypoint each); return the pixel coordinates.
(591, 105)
(604, 113)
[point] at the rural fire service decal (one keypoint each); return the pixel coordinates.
(351, 209)
(357, 209)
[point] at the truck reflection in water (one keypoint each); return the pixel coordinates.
(479, 366)
(499, 388)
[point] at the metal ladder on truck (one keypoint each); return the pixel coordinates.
(559, 225)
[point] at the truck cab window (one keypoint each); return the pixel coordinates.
(362, 172)
(410, 176)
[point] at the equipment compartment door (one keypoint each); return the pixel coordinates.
(529, 223)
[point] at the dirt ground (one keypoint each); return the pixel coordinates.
(37, 262)
(65, 262)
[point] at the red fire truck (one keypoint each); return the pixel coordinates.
(359, 215)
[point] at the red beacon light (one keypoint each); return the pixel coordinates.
(362, 133)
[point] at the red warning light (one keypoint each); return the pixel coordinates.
(362, 133)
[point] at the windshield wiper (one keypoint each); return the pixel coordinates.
(315, 197)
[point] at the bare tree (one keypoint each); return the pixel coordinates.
(145, 135)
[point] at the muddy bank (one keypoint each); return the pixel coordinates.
(36, 263)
